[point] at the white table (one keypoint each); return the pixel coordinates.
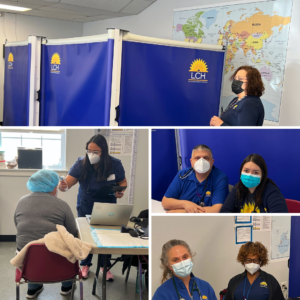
(156, 207)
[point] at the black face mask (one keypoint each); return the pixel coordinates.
(236, 86)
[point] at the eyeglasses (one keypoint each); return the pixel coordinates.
(249, 261)
(94, 152)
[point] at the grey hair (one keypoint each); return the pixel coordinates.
(202, 148)
(164, 261)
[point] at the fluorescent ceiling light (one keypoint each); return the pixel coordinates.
(10, 7)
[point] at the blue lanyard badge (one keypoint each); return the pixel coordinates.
(246, 298)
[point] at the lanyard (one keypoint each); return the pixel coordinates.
(201, 202)
(193, 289)
(244, 298)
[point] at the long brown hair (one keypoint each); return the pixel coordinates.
(164, 261)
(242, 191)
(255, 85)
(105, 166)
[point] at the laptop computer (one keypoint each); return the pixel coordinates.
(110, 214)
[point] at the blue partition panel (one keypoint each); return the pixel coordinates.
(278, 147)
(164, 161)
(76, 84)
(294, 275)
(16, 86)
(158, 88)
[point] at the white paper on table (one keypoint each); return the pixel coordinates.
(243, 219)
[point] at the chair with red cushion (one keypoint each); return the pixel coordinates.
(293, 206)
(42, 266)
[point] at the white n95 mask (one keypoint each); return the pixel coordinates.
(202, 165)
(183, 268)
(94, 158)
(252, 268)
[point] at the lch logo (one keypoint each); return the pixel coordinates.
(55, 63)
(198, 71)
(10, 61)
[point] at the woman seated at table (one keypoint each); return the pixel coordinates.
(178, 281)
(38, 214)
(254, 283)
(255, 192)
(246, 109)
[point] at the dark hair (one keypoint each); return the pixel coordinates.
(242, 191)
(105, 167)
(256, 248)
(255, 85)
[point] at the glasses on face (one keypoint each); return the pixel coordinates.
(255, 261)
(94, 152)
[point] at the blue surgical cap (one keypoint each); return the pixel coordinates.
(43, 181)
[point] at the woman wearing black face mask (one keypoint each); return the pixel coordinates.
(246, 109)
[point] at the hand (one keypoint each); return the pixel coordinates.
(191, 207)
(176, 211)
(215, 121)
(119, 194)
(62, 185)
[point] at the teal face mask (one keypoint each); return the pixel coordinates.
(249, 180)
(183, 268)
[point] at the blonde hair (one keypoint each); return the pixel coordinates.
(164, 262)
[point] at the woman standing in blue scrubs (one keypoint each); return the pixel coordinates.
(255, 192)
(92, 171)
(253, 284)
(178, 281)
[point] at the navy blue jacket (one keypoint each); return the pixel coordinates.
(247, 112)
(273, 202)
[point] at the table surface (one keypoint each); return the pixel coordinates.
(84, 234)
(156, 207)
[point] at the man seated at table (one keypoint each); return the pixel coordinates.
(38, 214)
(202, 188)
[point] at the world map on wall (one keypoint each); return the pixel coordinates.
(257, 34)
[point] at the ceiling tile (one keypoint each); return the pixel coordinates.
(49, 14)
(110, 5)
(136, 6)
(89, 11)
(64, 11)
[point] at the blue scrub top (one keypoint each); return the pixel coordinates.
(167, 290)
(259, 290)
(86, 189)
(186, 189)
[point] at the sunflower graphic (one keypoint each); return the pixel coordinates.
(249, 208)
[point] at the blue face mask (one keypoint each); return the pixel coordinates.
(183, 268)
(249, 180)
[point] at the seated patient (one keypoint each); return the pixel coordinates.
(255, 192)
(178, 281)
(38, 214)
(253, 283)
(201, 189)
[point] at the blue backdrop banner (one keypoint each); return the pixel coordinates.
(278, 147)
(294, 286)
(16, 85)
(169, 86)
(164, 161)
(76, 84)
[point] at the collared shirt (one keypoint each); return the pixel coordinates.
(167, 290)
(259, 290)
(191, 189)
(87, 188)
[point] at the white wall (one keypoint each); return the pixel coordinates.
(157, 21)
(213, 240)
(12, 188)
(18, 28)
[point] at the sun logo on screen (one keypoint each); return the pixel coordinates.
(55, 63)
(55, 59)
(199, 65)
(10, 57)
